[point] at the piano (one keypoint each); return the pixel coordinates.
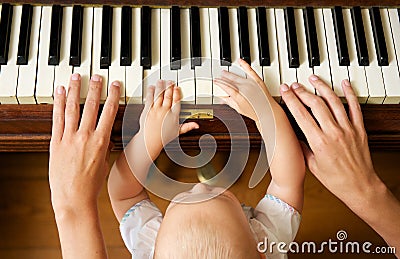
(137, 42)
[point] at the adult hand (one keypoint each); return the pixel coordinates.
(78, 151)
(338, 155)
(79, 165)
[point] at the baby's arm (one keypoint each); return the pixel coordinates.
(159, 123)
(287, 166)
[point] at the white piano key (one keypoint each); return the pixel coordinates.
(373, 71)
(271, 73)
(45, 73)
(203, 72)
(215, 55)
(288, 75)
(186, 73)
(97, 23)
(338, 72)
(324, 69)
(9, 72)
(253, 40)
(86, 52)
(395, 25)
(390, 73)
(27, 73)
(150, 76)
(234, 39)
(134, 72)
(63, 71)
(116, 72)
(304, 70)
(356, 72)
(166, 72)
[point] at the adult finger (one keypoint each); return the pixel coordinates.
(89, 116)
(72, 106)
(110, 109)
(303, 118)
(58, 114)
(168, 94)
(159, 93)
(331, 99)
(318, 107)
(188, 126)
(355, 113)
(308, 156)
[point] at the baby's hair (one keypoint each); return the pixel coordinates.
(197, 238)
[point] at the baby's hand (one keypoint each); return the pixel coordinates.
(159, 121)
(246, 95)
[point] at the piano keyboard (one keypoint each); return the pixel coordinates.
(41, 46)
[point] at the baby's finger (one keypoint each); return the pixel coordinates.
(188, 126)
(168, 94)
(176, 100)
(58, 114)
(72, 106)
(91, 107)
(250, 72)
(149, 97)
(228, 88)
(110, 109)
(159, 93)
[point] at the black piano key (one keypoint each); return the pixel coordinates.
(311, 37)
(5, 31)
(126, 36)
(106, 37)
(379, 37)
(244, 44)
(145, 38)
(24, 35)
(175, 38)
(340, 34)
(55, 35)
(262, 33)
(291, 38)
(398, 12)
(359, 35)
(224, 37)
(195, 38)
(76, 36)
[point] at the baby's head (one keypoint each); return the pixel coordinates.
(213, 228)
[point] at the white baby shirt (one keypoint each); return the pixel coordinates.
(272, 221)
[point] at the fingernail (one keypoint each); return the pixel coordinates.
(96, 78)
(75, 77)
(346, 83)
(196, 127)
(314, 78)
(116, 84)
(60, 89)
(284, 87)
(295, 85)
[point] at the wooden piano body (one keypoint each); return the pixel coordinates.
(27, 128)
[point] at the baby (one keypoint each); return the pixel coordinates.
(218, 226)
